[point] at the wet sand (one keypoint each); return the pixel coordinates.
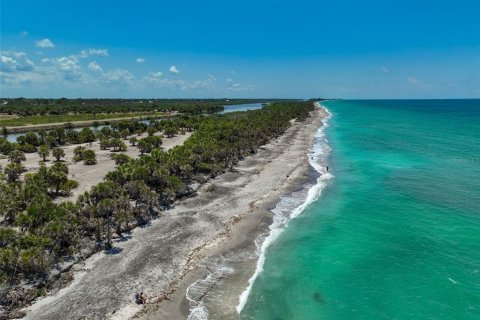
(163, 259)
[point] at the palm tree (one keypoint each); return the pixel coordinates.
(58, 153)
(89, 157)
(105, 209)
(43, 152)
(13, 171)
(58, 176)
(16, 156)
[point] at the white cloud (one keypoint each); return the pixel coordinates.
(94, 66)
(45, 43)
(15, 61)
(69, 67)
(16, 68)
(204, 84)
(156, 79)
(71, 71)
(235, 86)
(140, 60)
(412, 80)
(153, 77)
(385, 69)
(93, 52)
(174, 70)
(117, 77)
(24, 33)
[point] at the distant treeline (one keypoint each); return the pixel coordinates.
(28, 107)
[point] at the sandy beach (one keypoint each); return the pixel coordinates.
(166, 257)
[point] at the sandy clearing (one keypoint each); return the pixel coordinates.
(88, 176)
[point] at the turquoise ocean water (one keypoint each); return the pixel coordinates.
(396, 231)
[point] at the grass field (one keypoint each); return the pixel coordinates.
(34, 120)
(7, 116)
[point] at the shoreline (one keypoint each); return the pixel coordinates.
(229, 264)
(165, 257)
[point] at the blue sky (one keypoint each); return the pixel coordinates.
(298, 49)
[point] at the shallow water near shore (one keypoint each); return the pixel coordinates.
(395, 235)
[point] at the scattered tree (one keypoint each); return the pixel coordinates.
(43, 152)
(133, 141)
(16, 156)
(89, 157)
(58, 153)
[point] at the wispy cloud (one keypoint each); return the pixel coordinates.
(93, 52)
(44, 43)
(117, 77)
(15, 61)
(140, 60)
(412, 80)
(24, 33)
(94, 66)
(157, 79)
(174, 70)
(236, 86)
(385, 69)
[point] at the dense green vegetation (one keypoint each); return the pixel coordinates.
(37, 232)
(29, 107)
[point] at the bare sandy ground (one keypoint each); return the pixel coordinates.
(164, 258)
(89, 175)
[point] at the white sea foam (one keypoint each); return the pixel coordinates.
(292, 206)
(197, 290)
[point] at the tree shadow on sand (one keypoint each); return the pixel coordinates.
(113, 251)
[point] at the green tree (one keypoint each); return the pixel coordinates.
(105, 209)
(151, 131)
(58, 153)
(133, 141)
(13, 171)
(118, 145)
(57, 177)
(87, 135)
(105, 143)
(120, 158)
(124, 133)
(78, 153)
(89, 157)
(6, 146)
(42, 134)
(31, 138)
(4, 132)
(16, 156)
(144, 147)
(43, 152)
